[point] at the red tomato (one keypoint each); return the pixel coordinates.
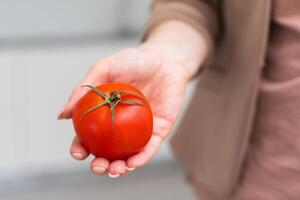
(118, 129)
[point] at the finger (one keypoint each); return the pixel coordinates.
(143, 157)
(77, 151)
(99, 166)
(96, 76)
(117, 168)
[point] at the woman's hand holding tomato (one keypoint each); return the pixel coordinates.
(161, 81)
(160, 68)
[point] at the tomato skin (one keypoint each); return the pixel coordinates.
(131, 131)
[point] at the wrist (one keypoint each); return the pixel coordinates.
(180, 43)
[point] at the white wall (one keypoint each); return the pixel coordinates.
(64, 18)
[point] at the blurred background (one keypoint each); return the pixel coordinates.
(46, 47)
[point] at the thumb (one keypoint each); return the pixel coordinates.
(97, 75)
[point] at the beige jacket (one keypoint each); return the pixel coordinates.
(212, 140)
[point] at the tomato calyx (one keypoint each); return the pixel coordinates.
(113, 99)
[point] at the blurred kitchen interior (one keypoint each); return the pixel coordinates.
(45, 49)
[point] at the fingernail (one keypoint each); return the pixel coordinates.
(98, 170)
(60, 113)
(113, 175)
(130, 168)
(77, 156)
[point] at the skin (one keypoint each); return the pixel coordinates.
(160, 68)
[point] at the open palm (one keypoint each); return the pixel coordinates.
(163, 83)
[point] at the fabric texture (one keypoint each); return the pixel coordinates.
(272, 170)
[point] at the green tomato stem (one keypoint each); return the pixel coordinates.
(113, 99)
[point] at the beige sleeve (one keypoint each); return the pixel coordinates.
(200, 14)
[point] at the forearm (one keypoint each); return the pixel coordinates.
(179, 42)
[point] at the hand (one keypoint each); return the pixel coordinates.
(161, 67)
(161, 80)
